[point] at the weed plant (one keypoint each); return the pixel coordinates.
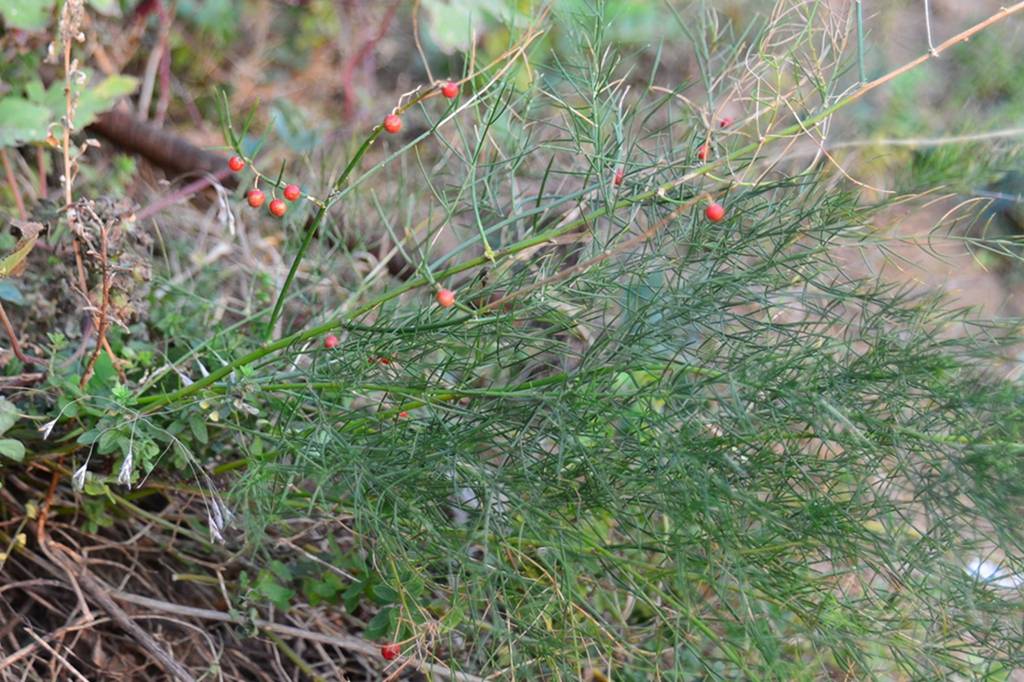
(642, 445)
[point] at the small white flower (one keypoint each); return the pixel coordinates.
(215, 534)
(78, 478)
(124, 476)
(47, 428)
(218, 516)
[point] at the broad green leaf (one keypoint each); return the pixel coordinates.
(22, 121)
(105, 374)
(108, 441)
(198, 426)
(12, 449)
(275, 592)
(101, 97)
(89, 437)
(30, 15)
(8, 415)
(95, 487)
(93, 99)
(35, 91)
(382, 624)
(383, 594)
(279, 569)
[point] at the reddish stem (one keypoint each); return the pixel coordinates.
(182, 194)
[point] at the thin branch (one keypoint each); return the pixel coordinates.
(344, 641)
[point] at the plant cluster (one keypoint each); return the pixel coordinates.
(648, 437)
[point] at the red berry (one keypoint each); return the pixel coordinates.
(725, 122)
(619, 174)
(236, 163)
(292, 192)
(446, 298)
(330, 341)
(392, 123)
(278, 207)
(403, 414)
(450, 90)
(702, 152)
(390, 651)
(256, 197)
(715, 212)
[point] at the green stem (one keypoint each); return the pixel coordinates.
(279, 303)
(292, 656)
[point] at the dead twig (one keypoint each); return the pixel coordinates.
(57, 656)
(13, 338)
(75, 567)
(344, 641)
(104, 314)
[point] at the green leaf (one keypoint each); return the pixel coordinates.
(279, 569)
(381, 624)
(30, 15)
(8, 415)
(89, 437)
(454, 618)
(22, 121)
(198, 425)
(383, 594)
(105, 374)
(108, 441)
(35, 91)
(353, 595)
(12, 449)
(277, 594)
(101, 97)
(9, 292)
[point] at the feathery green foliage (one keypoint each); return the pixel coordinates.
(642, 443)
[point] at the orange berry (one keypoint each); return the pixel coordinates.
(392, 123)
(450, 90)
(715, 212)
(446, 298)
